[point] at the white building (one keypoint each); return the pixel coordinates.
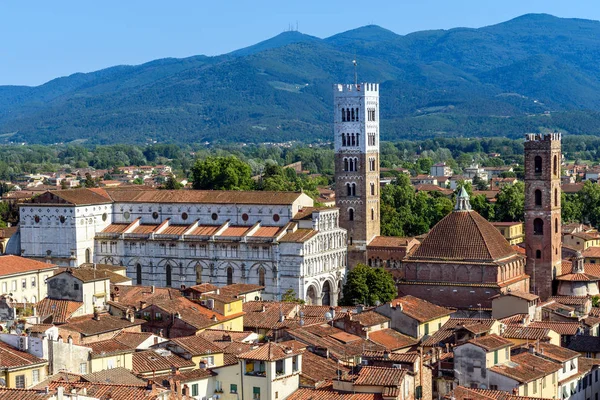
(174, 238)
(441, 169)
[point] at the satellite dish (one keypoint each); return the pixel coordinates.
(328, 316)
(301, 314)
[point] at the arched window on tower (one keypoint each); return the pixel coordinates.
(538, 254)
(343, 139)
(372, 214)
(138, 274)
(555, 165)
(345, 164)
(372, 189)
(261, 276)
(538, 226)
(357, 114)
(229, 276)
(88, 256)
(555, 225)
(353, 114)
(537, 161)
(347, 115)
(351, 214)
(343, 115)
(555, 197)
(354, 189)
(168, 273)
(349, 189)
(353, 140)
(538, 197)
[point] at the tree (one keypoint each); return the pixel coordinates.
(479, 183)
(290, 297)
(172, 184)
(508, 174)
(368, 286)
(510, 203)
(589, 198)
(89, 182)
(480, 204)
(222, 173)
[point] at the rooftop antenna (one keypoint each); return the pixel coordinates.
(355, 74)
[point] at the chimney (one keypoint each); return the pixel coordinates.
(152, 289)
(214, 318)
(142, 304)
(263, 308)
(178, 389)
(185, 390)
(96, 315)
(60, 393)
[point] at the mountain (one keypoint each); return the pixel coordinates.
(533, 73)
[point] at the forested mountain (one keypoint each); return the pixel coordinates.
(528, 74)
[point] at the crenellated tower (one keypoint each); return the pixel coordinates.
(543, 240)
(356, 130)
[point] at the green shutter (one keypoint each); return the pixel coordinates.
(495, 357)
(426, 329)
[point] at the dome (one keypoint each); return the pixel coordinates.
(464, 235)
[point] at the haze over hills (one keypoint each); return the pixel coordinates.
(528, 74)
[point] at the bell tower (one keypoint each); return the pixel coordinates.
(356, 130)
(543, 240)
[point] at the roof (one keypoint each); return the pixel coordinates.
(570, 300)
(298, 236)
(257, 317)
(526, 367)
(463, 393)
(464, 235)
(380, 376)
(78, 197)
(108, 347)
(446, 333)
(237, 289)
(118, 375)
(57, 311)
(193, 375)
(102, 390)
(317, 368)
(196, 345)
(223, 338)
(390, 241)
(562, 328)
(522, 295)
(327, 393)
(490, 342)
(132, 339)
(407, 358)
(269, 352)
(370, 318)
(592, 251)
(525, 332)
(88, 326)
(391, 339)
(204, 196)
(13, 358)
(22, 394)
(91, 274)
(158, 360)
(557, 353)
(420, 309)
(132, 295)
(11, 265)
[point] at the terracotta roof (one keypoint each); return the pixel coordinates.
(570, 300)
(88, 326)
(194, 375)
(406, 358)
(22, 394)
(380, 376)
(328, 393)
(523, 295)
(13, 358)
(420, 309)
(132, 295)
(57, 311)
(256, 318)
(318, 369)
(526, 367)
(390, 241)
(203, 196)
(237, 289)
(593, 251)
(118, 375)
(90, 274)
(102, 390)
(132, 339)
(159, 360)
(109, 347)
(196, 345)
(463, 393)
(558, 353)
(298, 236)
(11, 265)
(446, 333)
(490, 342)
(223, 338)
(269, 352)
(370, 318)
(562, 328)
(464, 235)
(78, 197)
(525, 332)
(391, 339)
(201, 288)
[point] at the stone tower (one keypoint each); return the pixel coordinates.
(356, 129)
(543, 241)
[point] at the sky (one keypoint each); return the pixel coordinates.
(43, 40)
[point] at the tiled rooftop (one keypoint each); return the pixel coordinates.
(420, 309)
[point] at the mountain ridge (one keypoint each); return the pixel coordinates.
(439, 82)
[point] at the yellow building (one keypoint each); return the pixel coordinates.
(512, 231)
(591, 255)
(19, 369)
(24, 278)
(581, 240)
(202, 352)
(109, 354)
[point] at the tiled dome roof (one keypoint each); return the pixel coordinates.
(466, 236)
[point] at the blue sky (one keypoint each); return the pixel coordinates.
(42, 40)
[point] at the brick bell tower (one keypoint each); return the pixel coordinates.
(543, 240)
(356, 129)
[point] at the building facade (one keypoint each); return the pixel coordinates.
(543, 241)
(356, 130)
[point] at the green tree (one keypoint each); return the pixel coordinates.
(89, 182)
(424, 165)
(222, 173)
(571, 208)
(480, 204)
(368, 286)
(510, 203)
(290, 296)
(172, 184)
(589, 198)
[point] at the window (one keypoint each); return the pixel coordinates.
(33, 282)
(158, 316)
(555, 225)
(555, 166)
(555, 197)
(229, 275)
(280, 367)
(4, 287)
(538, 254)
(295, 363)
(507, 353)
(195, 389)
(426, 328)
(537, 164)
(35, 376)
(75, 286)
(526, 389)
(14, 285)
(534, 384)
(138, 274)
(233, 388)
(20, 381)
(372, 189)
(261, 276)
(353, 189)
(24, 283)
(83, 368)
(256, 393)
(346, 164)
(372, 214)
(110, 363)
(210, 361)
(351, 214)
(168, 273)
(538, 226)
(495, 357)
(544, 383)
(538, 197)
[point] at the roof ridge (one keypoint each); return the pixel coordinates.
(479, 227)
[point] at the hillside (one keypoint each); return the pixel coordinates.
(528, 74)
